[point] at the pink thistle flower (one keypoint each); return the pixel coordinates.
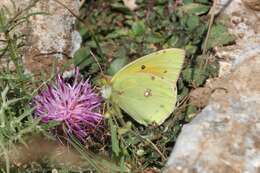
(76, 106)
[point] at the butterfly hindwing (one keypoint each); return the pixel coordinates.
(149, 101)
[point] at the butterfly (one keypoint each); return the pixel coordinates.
(146, 88)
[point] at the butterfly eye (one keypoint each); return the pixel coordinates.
(148, 92)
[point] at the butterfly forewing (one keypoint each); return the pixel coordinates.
(166, 64)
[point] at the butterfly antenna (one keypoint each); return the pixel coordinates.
(99, 66)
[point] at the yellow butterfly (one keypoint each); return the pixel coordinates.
(146, 88)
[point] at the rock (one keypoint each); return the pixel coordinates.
(49, 36)
(131, 4)
(224, 137)
(200, 96)
(23, 155)
(253, 4)
(245, 25)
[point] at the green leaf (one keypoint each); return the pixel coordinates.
(195, 76)
(191, 109)
(203, 1)
(133, 140)
(219, 36)
(138, 28)
(82, 58)
(154, 38)
(117, 33)
(192, 22)
(123, 168)
(123, 130)
(116, 65)
(190, 112)
(212, 69)
(121, 52)
(159, 10)
(182, 40)
(50, 125)
(3, 21)
(114, 140)
(187, 1)
(83, 31)
(173, 40)
(193, 8)
(190, 49)
(161, 2)
(198, 34)
(200, 60)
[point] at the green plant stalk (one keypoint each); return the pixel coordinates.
(5, 152)
(25, 130)
(12, 48)
(2, 116)
(3, 107)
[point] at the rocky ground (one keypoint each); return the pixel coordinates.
(224, 137)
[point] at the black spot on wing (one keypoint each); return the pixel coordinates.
(143, 67)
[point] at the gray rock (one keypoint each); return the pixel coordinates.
(50, 36)
(244, 23)
(224, 137)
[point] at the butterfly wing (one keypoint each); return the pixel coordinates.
(146, 99)
(146, 88)
(166, 64)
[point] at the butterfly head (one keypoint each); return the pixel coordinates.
(106, 91)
